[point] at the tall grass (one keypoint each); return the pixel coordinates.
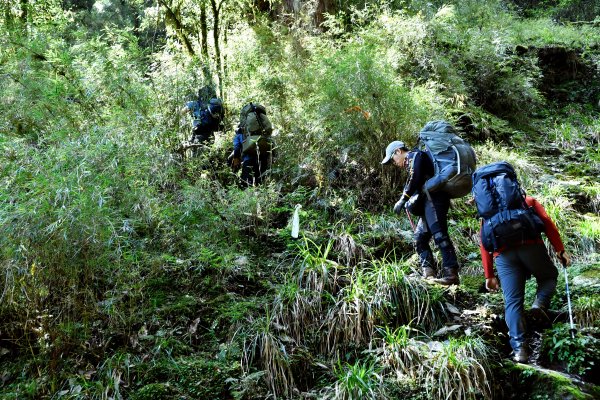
(588, 230)
(266, 349)
(101, 226)
(360, 380)
(403, 354)
(351, 320)
(399, 297)
(316, 272)
(297, 311)
(586, 310)
(459, 369)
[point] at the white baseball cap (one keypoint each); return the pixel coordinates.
(391, 148)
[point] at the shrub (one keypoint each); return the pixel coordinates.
(578, 354)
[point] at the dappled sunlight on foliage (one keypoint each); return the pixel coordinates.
(131, 267)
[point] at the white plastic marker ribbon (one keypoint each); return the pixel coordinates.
(296, 222)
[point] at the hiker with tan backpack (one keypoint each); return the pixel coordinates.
(253, 145)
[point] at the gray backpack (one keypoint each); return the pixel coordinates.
(453, 159)
(256, 128)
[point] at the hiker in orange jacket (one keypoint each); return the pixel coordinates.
(514, 265)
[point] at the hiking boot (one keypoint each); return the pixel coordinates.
(450, 278)
(428, 272)
(427, 264)
(520, 355)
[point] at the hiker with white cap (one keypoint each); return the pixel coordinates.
(432, 208)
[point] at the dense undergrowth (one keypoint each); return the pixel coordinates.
(130, 272)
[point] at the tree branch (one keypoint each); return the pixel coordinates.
(179, 28)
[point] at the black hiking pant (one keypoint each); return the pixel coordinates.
(254, 168)
(434, 223)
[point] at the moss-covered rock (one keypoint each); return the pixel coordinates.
(520, 381)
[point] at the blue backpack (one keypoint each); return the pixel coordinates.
(215, 109)
(507, 220)
(207, 116)
(207, 113)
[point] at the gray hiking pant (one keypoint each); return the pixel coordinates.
(514, 267)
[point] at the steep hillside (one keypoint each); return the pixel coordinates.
(134, 269)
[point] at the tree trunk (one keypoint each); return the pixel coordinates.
(24, 11)
(316, 9)
(263, 5)
(204, 31)
(225, 72)
(291, 6)
(323, 7)
(173, 20)
(24, 15)
(204, 43)
(216, 9)
(8, 17)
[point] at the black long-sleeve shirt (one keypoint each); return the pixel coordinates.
(420, 169)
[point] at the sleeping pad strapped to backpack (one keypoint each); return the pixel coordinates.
(507, 220)
(256, 128)
(453, 159)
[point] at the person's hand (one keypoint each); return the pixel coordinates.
(399, 206)
(564, 258)
(491, 284)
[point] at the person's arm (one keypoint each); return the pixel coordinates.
(238, 140)
(419, 169)
(550, 228)
(487, 259)
(188, 107)
(417, 172)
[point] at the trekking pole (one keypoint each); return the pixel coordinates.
(410, 219)
(572, 330)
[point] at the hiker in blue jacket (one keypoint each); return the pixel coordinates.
(207, 113)
(432, 210)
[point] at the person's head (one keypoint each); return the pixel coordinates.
(395, 153)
